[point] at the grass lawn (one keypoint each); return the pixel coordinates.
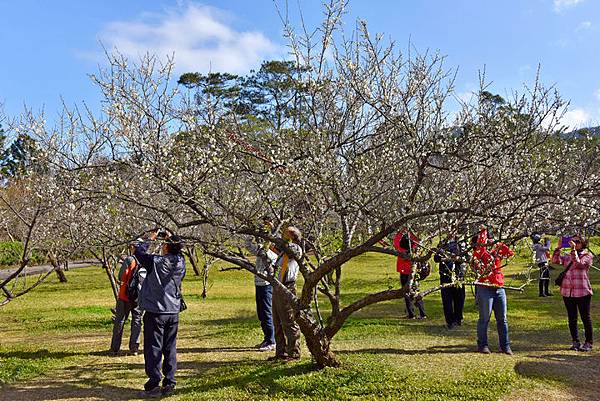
(51, 344)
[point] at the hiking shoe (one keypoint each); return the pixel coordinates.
(576, 346)
(422, 317)
(548, 294)
(507, 351)
(267, 347)
(586, 347)
(260, 345)
(156, 392)
(168, 389)
(133, 353)
(484, 350)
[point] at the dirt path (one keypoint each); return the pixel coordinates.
(40, 269)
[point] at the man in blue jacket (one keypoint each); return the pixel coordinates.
(160, 298)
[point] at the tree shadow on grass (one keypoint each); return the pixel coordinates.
(39, 354)
(264, 377)
(436, 349)
(104, 381)
(200, 350)
(74, 382)
(579, 371)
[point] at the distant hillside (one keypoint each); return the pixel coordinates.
(594, 131)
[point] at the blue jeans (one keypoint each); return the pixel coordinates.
(264, 309)
(489, 298)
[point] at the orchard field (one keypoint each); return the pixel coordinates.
(52, 345)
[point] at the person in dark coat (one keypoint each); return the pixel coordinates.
(449, 252)
(160, 299)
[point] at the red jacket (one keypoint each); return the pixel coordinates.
(490, 260)
(125, 280)
(403, 265)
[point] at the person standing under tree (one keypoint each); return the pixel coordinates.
(265, 258)
(125, 306)
(541, 258)
(490, 293)
(405, 242)
(451, 271)
(576, 289)
(160, 298)
(287, 332)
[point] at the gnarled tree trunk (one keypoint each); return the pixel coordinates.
(317, 341)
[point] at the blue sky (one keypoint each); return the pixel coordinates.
(49, 47)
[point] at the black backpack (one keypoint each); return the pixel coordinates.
(134, 285)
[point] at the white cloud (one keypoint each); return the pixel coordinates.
(200, 37)
(576, 118)
(584, 26)
(597, 94)
(560, 5)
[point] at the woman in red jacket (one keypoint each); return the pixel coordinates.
(490, 295)
(405, 243)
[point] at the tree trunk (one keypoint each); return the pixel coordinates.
(60, 273)
(191, 254)
(111, 278)
(57, 267)
(316, 340)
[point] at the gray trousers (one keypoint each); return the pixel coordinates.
(122, 312)
(287, 332)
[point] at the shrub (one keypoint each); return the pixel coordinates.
(11, 252)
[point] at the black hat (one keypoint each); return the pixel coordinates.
(174, 244)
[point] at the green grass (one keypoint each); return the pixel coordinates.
(51, 344)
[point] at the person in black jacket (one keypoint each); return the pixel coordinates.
(160, 298)
(448, 256)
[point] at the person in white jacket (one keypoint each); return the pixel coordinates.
(540, 254)
(265, 260)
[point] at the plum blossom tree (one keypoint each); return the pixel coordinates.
(366, 146)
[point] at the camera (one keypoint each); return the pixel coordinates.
(565, 241)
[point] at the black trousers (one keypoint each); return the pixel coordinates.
(410, 310)
(160, 334)
(453, 300)
(544, 278)
(583, 304)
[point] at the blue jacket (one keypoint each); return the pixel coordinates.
(161, 290)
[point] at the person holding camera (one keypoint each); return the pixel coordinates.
(489, 294)
(160, 298)
(287, 331)
(449, 252)
(265, 259)
(540, 252)
(576, 289)
(405, 242)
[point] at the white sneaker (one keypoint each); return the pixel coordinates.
(267, 347)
